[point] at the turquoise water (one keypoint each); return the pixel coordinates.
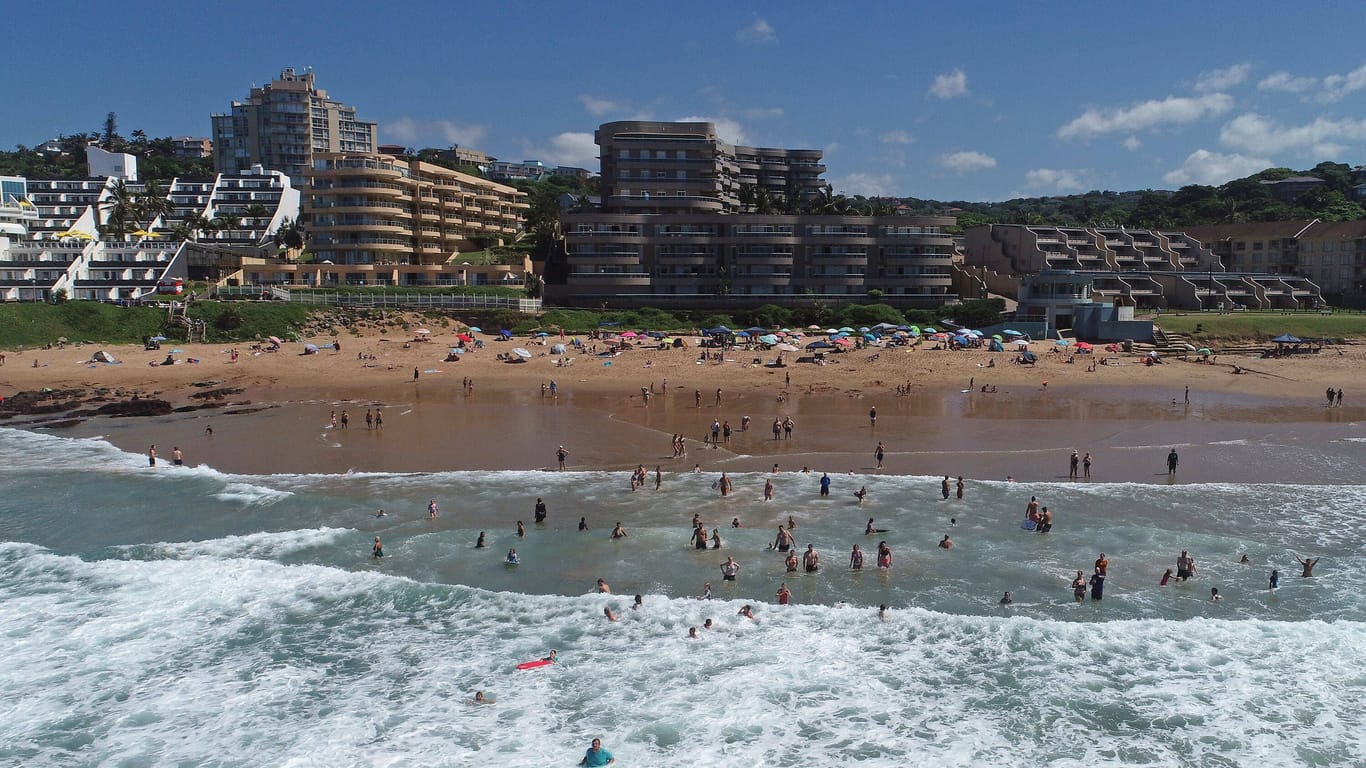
(188, 617)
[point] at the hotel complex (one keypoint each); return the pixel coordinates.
(675, 227)
(377, 220)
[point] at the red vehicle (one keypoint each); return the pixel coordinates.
(170, 286)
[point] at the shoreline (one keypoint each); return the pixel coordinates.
(273, 412)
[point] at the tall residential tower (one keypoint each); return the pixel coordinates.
(282, 124)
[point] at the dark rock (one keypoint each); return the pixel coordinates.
(217, 394)
(141, 407)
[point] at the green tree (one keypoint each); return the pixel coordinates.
(152, 203)
(119, 208)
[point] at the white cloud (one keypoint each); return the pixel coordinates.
(764, 113)
(408, 130)
(1284, 82)
(1336, 87)
(1222, 79)
(1205, 167)
(1147, 114)
(757, 33)
(598, 107)
(949, 85)
(866, 184)
(728, 130)
(898, 137)
(966, 162)
(1054, 180)
(1322, 137)
(1132, 143)
(574, 149)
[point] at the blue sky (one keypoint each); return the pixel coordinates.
(964, 100)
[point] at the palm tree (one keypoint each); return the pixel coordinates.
(257, 211)
(289, 235)
(197, 224)
(227, 222)
(119, 207)
(153, 204)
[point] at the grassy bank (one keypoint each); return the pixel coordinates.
(29, 325)
(1264, 326)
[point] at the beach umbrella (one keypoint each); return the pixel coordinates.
(74, 233)
(787, 330)
(938, 335)
(464, 337)
(310, 347)
(522, 353)
(786, 348)
(157, 338)
(1286, 338)
(929, 329)
(275, 340)
(1189, 347)
(769, 338)
(743, 334)
(865, 329)
(505, 333)
(756, 331)
(844, 341)
(869, 337)
(1062, 343)
(1009, 332)
(422, 332)
(626, 335)
(846, 329)
(975, 334)
(474, 329)
(819, 344)
(543, 334)
(1083, 345)
(997, 337)
(1203, 351)
(813, 327)
(145, 233)
(557, 349)
(657, 334)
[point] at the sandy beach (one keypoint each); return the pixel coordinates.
(280, 420)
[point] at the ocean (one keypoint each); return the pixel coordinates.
(190, 617)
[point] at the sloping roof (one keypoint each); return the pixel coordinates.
(1296, 180)
(1252, 230)
(1344, 230)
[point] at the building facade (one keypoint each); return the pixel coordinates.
(1142, 268)
(392, 220)
(283, 124)
(1331, 254)
(192, 147)
(703, 257)
(650, 167)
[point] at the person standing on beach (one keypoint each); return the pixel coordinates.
(825, 484)
(1079, 587)
(1171, 462)
(377, 551)
(768, 490)
(877, 454)
(152, 456)
(718, 395)
(415, 373)
(379, 418)
(541, 511)
(944, 487)
(432, 510)
(1072, 465)
(1185, 566)
(1274, 581)
(177, 458)
(560, 455)
(697, 397)
(659, 477)
(1086, 466)
(960, 487)
(729, 569)
(1102, 565)
(369, 419)
(1339, 397)
(872, 416)
(1097, 585)
(856, 559)
(596, 756)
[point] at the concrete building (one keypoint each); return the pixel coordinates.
(697, 258)
(527, 170)
(101, 164)
(283, 124)
(192, 147)
(650, 167)
(376, 220)
(1331, 254)
(465, 156)
(1141, 268)
(1288, 190)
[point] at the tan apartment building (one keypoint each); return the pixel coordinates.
(283, 124)
(377, 220)
(652, 167)
(1331, 254)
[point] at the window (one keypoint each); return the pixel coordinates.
(1257, 245)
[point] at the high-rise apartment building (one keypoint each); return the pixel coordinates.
(650, 167)
(283, 124)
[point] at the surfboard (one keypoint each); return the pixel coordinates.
(534, 664)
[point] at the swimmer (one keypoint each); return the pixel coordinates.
(1214, 595)
(583, 523)
(638, 604)
(618, 532)
(512, 557)
(882, 612)
(707, 624)
(884, 555)
(784, 594)
(861, 494)
(553, 657)
(747, 612)
(1007, 599)
(479, 543)
(869, 530)
(692, 633)
(1244, 560)
(856, 559)
(603, 589)
(541, 512)
(381, 513)
(791, 561)
(1308, 565)
(791, 522)
(706, 592)
(479, 698)
(1079, 587)
(1166, 577)
(377, 550)
(735, 523)
(1275, 580)
(432, 510)
(729, 569)
(945, 543)
(812, 559)
(607, 611)
(521, 530)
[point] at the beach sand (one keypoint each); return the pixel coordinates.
(1128, 415)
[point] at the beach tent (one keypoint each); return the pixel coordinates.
(719, 330)
(1009, 332)
(1062, 343)
(310, 349)
(820, 344)
(102, 357)
(756, 331)
(680, 343)
(557, 349)
(1286, 338)
(476, 329)
(769, 338)
(505, 333)
(522, 353)
(996, 346)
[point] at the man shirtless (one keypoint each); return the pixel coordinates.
(1308, 565)
(812, 559)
